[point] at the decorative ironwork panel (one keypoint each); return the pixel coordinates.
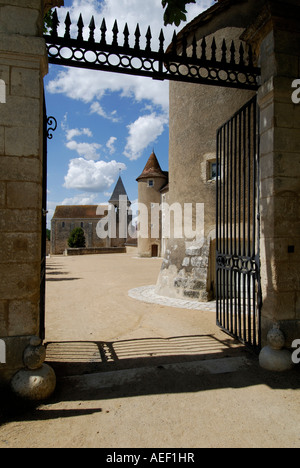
(226, 65)
(238, 262)
(51, 126)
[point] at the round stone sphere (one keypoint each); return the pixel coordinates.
(34, 385)
(276, 360)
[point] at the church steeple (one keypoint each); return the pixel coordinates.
(119, 191)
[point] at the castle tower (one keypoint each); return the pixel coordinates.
(118, 192)
(119, 200)
(150, 184)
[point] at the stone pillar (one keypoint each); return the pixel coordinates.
(23, 64)
(279, 47)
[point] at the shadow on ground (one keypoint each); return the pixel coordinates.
(154, 361)
(82, 357)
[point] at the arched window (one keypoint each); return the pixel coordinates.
(2, 92)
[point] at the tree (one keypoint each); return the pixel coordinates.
(77, 239)
(175, 11)
(48, 18)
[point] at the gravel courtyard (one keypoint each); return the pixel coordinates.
(133, 374)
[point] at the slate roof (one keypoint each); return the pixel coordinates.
(77, 212)
(118, 191)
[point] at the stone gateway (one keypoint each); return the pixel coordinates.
(272, 29)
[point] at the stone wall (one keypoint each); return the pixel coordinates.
(61, 230)
(186, 270)
(280, 171)
(23, 63)
(95, 251)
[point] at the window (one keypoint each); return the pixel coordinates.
(214, 171)
(63, 224)
(81, 224)
(150, 183)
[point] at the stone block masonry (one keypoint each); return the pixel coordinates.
(280, 184)
(23, 64)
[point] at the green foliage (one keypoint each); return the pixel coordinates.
(175, 11)
(48, 21)
(48, 234)
(77, 239)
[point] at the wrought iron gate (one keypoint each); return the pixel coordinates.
(238, 264)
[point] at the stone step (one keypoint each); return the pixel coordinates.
(105, 380)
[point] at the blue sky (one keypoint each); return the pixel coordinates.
(106, 121)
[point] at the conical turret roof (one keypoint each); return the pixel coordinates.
(152, 169)
(118, 191)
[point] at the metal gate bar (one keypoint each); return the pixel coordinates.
(238, 266)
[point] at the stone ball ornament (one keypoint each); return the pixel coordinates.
(274, 357)
(34, 385)
(35, 354)
(37, 381)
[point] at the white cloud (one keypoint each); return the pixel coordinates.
(81, 199)
(91, 176)
(96, 108)
(88, 151)
(110, 145)
(144, 131)
(75, 132)
(85, 85)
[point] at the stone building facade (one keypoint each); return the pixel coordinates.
(66, 218)
(272, 29)
(189, 265)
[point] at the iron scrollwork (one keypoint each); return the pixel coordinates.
(51, 127)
